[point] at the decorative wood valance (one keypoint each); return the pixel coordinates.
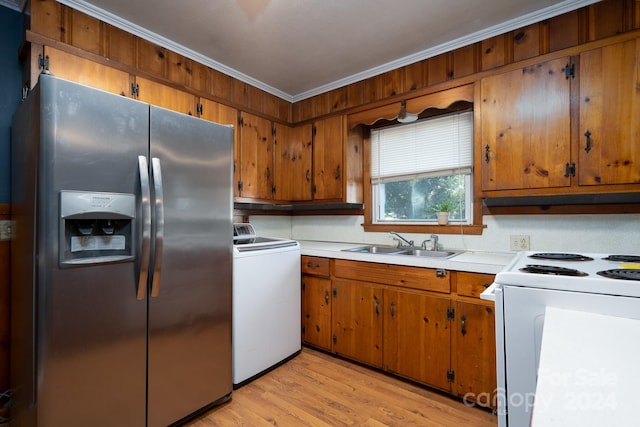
(416, 105)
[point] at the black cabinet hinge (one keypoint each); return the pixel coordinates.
(239, 185)
(199, 109)
(335, 292)
(570, 170)
(273, 189)
(451, 375)
(273, 131)
(240, 121)
(451, 313)
(135, 89)
(335, 338)
(570, 71)
(314, 130)
(43, 62)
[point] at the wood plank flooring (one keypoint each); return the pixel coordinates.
(317, 389)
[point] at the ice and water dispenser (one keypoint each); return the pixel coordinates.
(96, 227)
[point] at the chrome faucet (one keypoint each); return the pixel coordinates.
(434, 239)
(401, 239)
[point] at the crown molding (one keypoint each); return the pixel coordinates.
(17, 5)
(158, 39)
(504, 27)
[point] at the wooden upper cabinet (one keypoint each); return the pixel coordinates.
(256, 157)
(224, 115)
(165, 96)
(525, 127)
(292, 162)
(86, 72)
(609, 131)
(328, 171)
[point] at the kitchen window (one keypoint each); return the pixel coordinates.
(418, 166)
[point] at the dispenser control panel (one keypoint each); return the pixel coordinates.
(96, 227)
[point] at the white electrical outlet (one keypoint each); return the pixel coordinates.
(519, 242)
(5, 230)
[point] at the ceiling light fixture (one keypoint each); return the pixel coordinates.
(403, 116)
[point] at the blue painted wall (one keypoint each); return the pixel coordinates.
(10, 90)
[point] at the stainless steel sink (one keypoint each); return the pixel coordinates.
(394, 250)
(375, 249)
(429, 253)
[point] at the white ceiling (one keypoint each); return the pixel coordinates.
(298, 48)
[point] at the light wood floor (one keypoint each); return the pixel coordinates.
(316, 389)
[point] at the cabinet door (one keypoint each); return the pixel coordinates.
(316, 311)
(475, 365)
(165, 96)
(292, 163)
(327, 159)
(356, 312)
(86, 72)
(525, 128)
(220, 113)
(417, 333)
(609, 110)
(256, 157)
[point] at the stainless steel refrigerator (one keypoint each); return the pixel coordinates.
(121, 261)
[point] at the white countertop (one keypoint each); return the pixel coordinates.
(471, 261)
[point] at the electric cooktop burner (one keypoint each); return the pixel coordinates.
(621, 273)
(623, 258)
(553, 270)
(557, 256)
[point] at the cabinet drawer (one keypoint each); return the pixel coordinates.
(427, 279)
(473, 284)
(315, 265)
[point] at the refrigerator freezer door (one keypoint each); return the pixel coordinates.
(190, 318)
(90, 328)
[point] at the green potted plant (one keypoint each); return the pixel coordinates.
(442, 211)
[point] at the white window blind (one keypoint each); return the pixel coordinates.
(423, 148)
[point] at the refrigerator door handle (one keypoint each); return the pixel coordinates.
(159, 238)
(145, 196)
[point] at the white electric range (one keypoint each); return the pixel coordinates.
(533, 283)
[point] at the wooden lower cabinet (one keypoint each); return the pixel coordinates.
(316, 311)
(426, 325)
(316, 302)
(475, 355)
(417, 337)
(474, 335)
(357, 321)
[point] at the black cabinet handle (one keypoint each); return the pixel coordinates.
(463, 328)
(587, 146)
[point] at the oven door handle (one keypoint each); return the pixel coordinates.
(489, 294)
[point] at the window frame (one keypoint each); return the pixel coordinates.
(410, 171)
(475, 227)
